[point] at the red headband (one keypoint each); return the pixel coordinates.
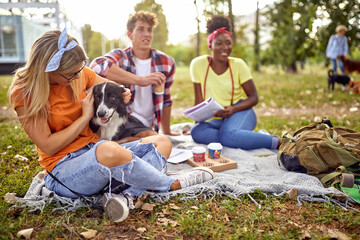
(213, 35)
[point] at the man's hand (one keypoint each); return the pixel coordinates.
(155, 79)
(172, 134)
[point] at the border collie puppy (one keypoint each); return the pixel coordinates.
(335, 78)
(109, 110)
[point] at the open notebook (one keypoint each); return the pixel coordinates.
(204, 110)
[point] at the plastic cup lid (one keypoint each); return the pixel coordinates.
(198, 149)
(215, 146)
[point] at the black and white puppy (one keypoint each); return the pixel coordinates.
(335, 78)
(109, 110)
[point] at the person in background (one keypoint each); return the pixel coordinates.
(228, 80)
(337, 46)
(148, 73)
(49, 97)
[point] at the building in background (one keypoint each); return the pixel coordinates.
(21, 24)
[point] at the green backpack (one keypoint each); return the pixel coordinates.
(321, 150)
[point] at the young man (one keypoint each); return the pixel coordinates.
(144, 70)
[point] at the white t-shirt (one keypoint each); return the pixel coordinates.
(143, 108)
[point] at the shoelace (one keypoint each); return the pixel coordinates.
(192, 180)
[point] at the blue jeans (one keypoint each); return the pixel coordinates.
(235, 131)
(334, 65)
(81, 172)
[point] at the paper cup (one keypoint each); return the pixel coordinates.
(198, 154)
(214, 150)
(159, 89)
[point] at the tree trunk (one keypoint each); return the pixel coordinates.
(291, 68)
(231, 16)
(256, 43)
(198, 31)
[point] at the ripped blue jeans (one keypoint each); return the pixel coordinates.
(81, 172)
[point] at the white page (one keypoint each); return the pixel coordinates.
(179, 155)
(204, 110)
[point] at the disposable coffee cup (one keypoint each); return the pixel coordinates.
(214, 150)
(198, 154)
(159, 89)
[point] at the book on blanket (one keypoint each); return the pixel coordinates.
(179, 155)
(204, 110)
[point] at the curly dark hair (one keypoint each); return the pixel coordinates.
(218, 21)
(147, 17)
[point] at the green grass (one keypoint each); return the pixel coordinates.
(305, 95)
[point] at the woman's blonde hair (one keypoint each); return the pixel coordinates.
(33, 82)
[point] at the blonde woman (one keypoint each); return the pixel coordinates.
(337, 46)
(48, 95)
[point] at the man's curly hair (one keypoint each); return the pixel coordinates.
(148, 17)
(218, 21)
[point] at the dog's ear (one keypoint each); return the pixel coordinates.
(331, 73)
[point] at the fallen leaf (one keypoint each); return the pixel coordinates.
(226, 218)
(306, 234)
(143, 197)
(160, 214)
(90, 233)
(10, 198)
(173, 206)
(141, 230)
(138, 204)
(147, 207)
(26, 233)
(166, 221)
(334, 234)
(166, 211)
(194, 207)
(292, 193)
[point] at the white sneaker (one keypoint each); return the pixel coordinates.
(116, 206)
(196, 176)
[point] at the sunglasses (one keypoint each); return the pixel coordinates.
(69, 79)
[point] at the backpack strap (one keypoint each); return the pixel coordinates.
(334, 136)
(339, 170)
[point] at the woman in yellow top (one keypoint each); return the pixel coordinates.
(49, 97)
(228, 80)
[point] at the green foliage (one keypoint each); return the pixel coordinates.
(86, 34)
(340, 12)
(292, 22)
(160, 34)
(95, 45)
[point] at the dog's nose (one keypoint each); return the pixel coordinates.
(101, 114)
